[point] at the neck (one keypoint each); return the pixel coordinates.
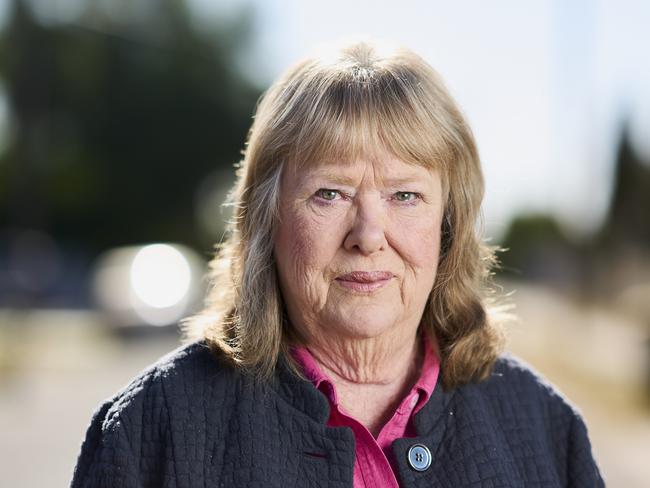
(375, 361)
(371, 376)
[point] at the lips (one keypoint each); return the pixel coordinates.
(366, 276)
(365, 281)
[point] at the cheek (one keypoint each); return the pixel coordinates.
(305, 244)
(418, 243)
(428, 246)
(304, 249)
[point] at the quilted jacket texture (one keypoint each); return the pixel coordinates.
(190, 421)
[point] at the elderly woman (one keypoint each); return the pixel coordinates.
(347, 339)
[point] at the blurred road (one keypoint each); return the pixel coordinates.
(56, 367)
(46, 401)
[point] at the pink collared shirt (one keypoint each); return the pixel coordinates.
(374, 463)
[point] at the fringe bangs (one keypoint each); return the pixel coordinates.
(359, 114)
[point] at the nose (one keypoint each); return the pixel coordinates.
(367, 234)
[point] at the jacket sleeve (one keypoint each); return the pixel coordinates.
(125, 442)
(107, 458)
(582, 469)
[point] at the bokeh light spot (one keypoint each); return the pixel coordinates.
(160, 276)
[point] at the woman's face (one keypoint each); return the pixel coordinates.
(357, 246)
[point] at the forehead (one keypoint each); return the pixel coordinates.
(384, 168)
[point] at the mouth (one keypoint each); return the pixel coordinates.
(364, 281)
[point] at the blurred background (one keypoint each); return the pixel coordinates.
(121, 122)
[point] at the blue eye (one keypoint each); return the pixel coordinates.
(327, 194)
(406, 196)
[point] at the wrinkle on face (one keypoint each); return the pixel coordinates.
(316, 242)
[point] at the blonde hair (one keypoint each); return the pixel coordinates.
(338, 107)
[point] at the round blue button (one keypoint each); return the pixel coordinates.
(419, 457)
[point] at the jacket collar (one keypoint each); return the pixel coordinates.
(300, 393)
(305, 397)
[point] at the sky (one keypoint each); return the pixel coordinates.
(545, 84)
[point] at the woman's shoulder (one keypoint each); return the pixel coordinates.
(521, 403)
(177, 374)
(517, 394)
(514, 377)
(520, 418)
(190, 371)
(188, 363)
(138, 421)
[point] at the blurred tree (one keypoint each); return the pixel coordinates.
(599, 265)
(628, 220)
(118, 119)
(619, 255)
(539, 250)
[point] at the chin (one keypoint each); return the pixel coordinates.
(365, 326)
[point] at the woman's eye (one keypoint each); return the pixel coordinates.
(405, 196)
(326, 194)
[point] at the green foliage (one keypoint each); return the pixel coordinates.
(117, 123)
(539, 250)
(533, 243)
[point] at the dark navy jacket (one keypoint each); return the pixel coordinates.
(189, 421)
